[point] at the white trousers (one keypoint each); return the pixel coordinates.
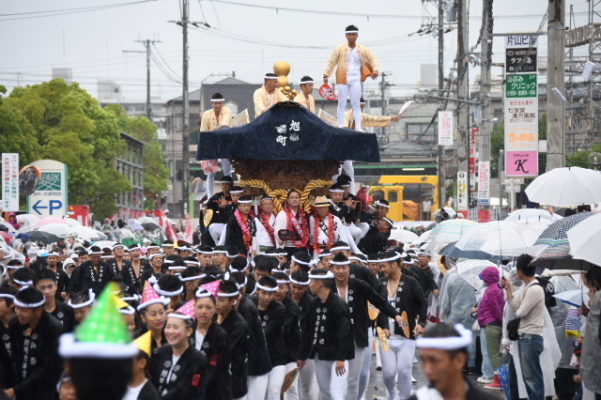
(355, 232)
(351, 89)
(257, 386)
(355, 366)
(292, 392)
(307, 387)
(226, 168)
(347, 168)
(328, 390)
(275, 381)
(397, 364)
(364, 376)
(216, 230)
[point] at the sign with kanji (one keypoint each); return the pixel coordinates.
(10, 182)
(520, 60)
(445, 128)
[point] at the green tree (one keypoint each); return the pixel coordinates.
(580, 158)
(62, 121)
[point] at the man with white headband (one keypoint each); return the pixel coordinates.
(241, 229)
(35, 335)
(305, 97)
(353, 63)
(268, 94)
(327, 335)
(7, 313)
(443, 352)
(217, 117)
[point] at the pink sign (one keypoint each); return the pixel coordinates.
(521, 163)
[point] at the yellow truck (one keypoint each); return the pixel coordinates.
(407, 195)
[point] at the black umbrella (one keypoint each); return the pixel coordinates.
(41, 236)
(150, 226)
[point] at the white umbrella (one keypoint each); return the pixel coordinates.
(500, 238)
(425, 237)
(574, 297)
(525, 214)
(91, 234)
(8, 225)
(403, 236)
(105, 244)
(27, 222)
(469, 270)
(448, 232)
(566, 187)
(72, 222)
(584, 239)
(57, 229)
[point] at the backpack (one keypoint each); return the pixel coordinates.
(545, 283)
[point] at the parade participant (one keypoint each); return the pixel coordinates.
(220, 258)
(590, 366)
(301, 295)
(368, 120)
(326, 228)
(327, 333)
(22, 278)
(62, 280)
(7, 312)
(290, 328)
(218, 117)
(291, 225)
(184, 249)
(99, 354)
(46, 283)
(153, 312)
(81, 303)
(221, 209)
(177, 369)
(171, 287)
(93, 274)
(168, 248)
(211, 340)
(376, 239)
(238, 336)
(356, 294)
(241, 228)
(118, 262)
(204, 254)
(69, 266)
(324, 260)
(268, 94)
(156, 268)
(259, 363)
(357, 271)
(272, 316)
(345, 209)
(443, 353)
(351, 60)
(133, 271)
(300, 261)
(405, 295)
(265, 222)
(11, 267)
(305, 97)
(191, 278)
(263, 267)
(128, 313)
(140, 388)
(34, 338)
(152, 249)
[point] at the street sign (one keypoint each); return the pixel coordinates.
(462, 202)
(483, 183)
(445, 128)
(10, 182)
(520, 85)
(50, 196)
(520, 60)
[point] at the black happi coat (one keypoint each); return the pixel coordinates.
(364, 274)
(154, 347)
(259, 362)
(215, 348)
(409, 297)
(148, 392)
(234, 235)
(115, 267)
(303, 307)
(328, 333)
(64, 314)
(187, 380)
(239, 347)
(342, 211)
(374, 241)
(63, 283)
(220, 214)
(7, 369)
(425, 277)
(86, 276)
(133, 283)
(36, 360)
(291, 329)
(358, 294)
(272, 321)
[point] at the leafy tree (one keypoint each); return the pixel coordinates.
(580, 158)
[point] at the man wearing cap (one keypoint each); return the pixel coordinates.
(444, 354)
(305, 97)
(34, 336)
(325, 228)
(368, 120)
(268, 94)
(376, 238)
(241, 228)
(352, 62)
(218, 117)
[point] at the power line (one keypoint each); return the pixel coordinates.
(66, 11)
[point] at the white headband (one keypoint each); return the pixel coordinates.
(23, 283)
(161, 300)
(305, 82)
(447, 343)
(17, 266)
(166, 293)
(328, 275)
(85, 303)
(296, 260)
(324, 254)
(7, 296)
(202, 292)
(270, 77)
(351, 31)
(129, 310)
(282, 281)
(378, 204)
(347, 262)
(28, 305)
(217, 100)
(176, 268)
(233, 294)
(336, 191)
(340, 248)
(244, 201)
(192, 278)
(299, 282)
(266, 288)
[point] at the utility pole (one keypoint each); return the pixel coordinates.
(485, 53)
(555, 79)
(185, 108)
(440, 155)
(463, 119)
(146, 43)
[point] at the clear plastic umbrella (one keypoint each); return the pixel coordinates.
(83, 232)
(403, 236)
(448, 232)
(584, 239)
(57, 229)
(470, 270)
(525, 214)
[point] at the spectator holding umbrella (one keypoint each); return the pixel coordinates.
(590, 362)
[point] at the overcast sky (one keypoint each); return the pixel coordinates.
(92, 43)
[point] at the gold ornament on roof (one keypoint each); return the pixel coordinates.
(282, 69)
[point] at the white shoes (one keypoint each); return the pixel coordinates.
(484, 380)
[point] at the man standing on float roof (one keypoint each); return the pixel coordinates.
(219, 116)
(353, 63)
(268, 94)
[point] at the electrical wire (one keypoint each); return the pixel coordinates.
(165, 63)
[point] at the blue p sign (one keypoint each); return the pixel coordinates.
(54, 205)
